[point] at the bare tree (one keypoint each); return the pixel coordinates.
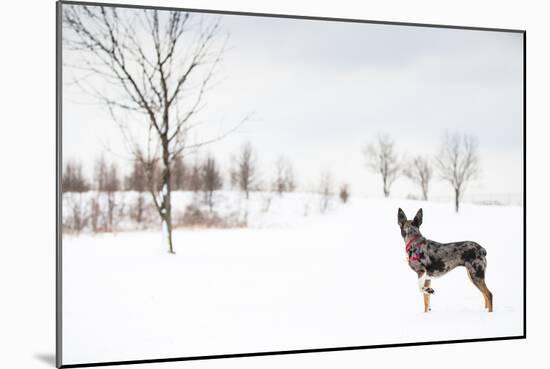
(73, 179)
(114, 207)
(284, 176)
(95, 213)
(245, 171)
(195, 179)
(106, 178)
(73, 184)
(279, 182)
(76, 218)
(153, 67)
(107, 182)
(136, 181)
(325, 190)
(458, 162)
(420, 172)
(211, 180)
(112, 180)
(179, 171)
(382, 159)
(100, 174)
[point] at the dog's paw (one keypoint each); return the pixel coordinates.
(429, 290)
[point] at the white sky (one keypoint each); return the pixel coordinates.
(320, 91)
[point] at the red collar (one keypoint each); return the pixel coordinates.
(408, 245)
(410, 242)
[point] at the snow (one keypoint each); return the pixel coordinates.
(292, 280)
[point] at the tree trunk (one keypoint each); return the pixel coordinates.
(165, 204)
(110, 211)
(139, 210)
(208, 198)
(386, 190)
(457, 199)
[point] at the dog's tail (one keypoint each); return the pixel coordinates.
(483, 254)
(482, 251)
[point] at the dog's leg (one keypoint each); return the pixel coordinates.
(422, 277)
(427, 296)
(480, 284)
(487, 294)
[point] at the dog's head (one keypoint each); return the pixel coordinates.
(409, 228)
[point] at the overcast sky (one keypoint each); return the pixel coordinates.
(320, 91)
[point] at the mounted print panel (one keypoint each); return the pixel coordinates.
(237, 184)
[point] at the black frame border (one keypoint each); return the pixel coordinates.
(58, 195)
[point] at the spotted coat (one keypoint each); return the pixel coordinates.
(437, 259)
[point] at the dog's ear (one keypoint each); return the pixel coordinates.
(417, 221)
(401, 217)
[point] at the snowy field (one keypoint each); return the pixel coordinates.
(294, 279)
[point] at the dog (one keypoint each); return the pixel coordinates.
(432, 259)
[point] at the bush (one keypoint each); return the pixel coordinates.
(344, 193)
(195, 217)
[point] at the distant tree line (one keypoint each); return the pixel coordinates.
(457, 162)
(104, 205)
(203, 175)
(113, 195)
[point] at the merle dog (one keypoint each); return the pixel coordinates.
(432, 259)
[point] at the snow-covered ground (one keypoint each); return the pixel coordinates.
(290, 281)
